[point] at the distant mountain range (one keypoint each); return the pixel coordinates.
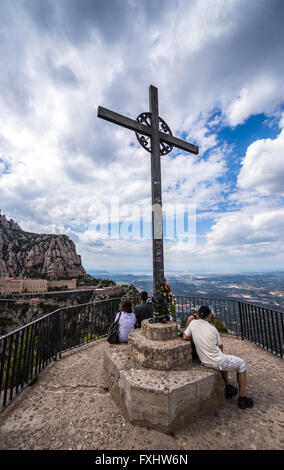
(264, 289)
(35, 255)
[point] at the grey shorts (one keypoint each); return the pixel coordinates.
(230, 363)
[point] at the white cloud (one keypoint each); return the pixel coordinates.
(263, 166)
(250, 233)
(2, 167)
(262, 95)
(247, 229)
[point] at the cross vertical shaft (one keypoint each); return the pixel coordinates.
(157, 216)
(162, 142)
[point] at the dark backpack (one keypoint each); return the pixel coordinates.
(113, 333)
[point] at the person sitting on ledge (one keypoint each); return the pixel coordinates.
(144, 310)
(127, 320)
(210, 351)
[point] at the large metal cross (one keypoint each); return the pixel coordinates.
(155, 136)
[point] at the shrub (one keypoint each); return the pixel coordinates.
(90, 337)
(218, 324)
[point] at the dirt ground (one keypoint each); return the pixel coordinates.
(69, 407)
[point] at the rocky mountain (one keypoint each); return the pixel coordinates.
(34, 255)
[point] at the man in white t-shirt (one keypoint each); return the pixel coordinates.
(210, 352)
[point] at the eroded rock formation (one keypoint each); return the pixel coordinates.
(33, 255)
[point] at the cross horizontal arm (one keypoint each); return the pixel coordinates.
(136, 126)
(123, 121)
(181, 144)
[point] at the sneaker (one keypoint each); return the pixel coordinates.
(245, 402)
(230, 391)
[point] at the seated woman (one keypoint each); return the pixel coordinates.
(127, 320)
(192, 316)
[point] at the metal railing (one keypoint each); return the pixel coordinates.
(27, 351)
(224, 309)
(261, 326)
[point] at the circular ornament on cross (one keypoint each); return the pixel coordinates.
(145, 140)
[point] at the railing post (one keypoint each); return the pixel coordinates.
(241, 319)
(61, 334)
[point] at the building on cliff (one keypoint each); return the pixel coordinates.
(19, 286)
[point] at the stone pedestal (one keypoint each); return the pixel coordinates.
(157, 346)
(154, 381)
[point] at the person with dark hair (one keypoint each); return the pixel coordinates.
(210, 351)
(127, 320)
(144, 310)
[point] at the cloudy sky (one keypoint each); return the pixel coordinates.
(219, 69)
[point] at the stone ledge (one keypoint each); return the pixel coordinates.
(159, 331)
(165, 401)
(159, 355)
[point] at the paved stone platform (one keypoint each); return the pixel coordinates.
(69, 407)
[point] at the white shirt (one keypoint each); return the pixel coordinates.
(125, 325)
(206, 339)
